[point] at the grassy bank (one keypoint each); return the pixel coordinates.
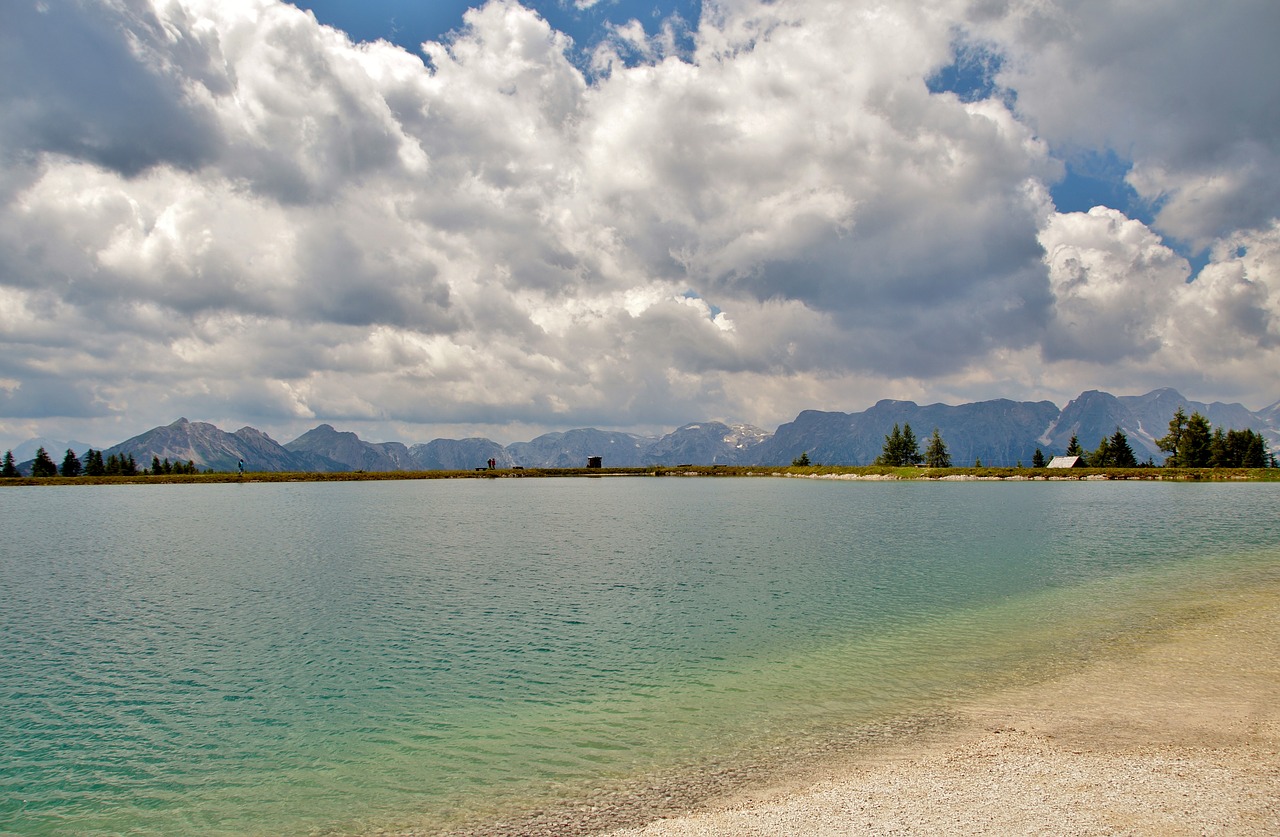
(869, 472)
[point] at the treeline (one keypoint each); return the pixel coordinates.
(93, 465)
(1191, 443)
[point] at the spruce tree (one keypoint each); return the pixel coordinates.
(70, 464)
(910, 447)
(93, 465)
(1255, 451)
(1122, 455)
(43, 465)
(892, 451)
(936, 455)
(900, 448)
(1219, 455)
(1100, 458)
(1238, 449)
(1073, 446)
(1171, 442)
(10, 469)
(1037, 460)
(1195, 443)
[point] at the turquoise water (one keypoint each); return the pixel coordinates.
(339, 657)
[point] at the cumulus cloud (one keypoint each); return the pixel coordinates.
(1114, 283)
(225, 209)
(1186, 91)
(107, 82)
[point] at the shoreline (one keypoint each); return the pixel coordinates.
(1178, 735)
(871, 473)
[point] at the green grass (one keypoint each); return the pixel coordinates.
(1178, 474)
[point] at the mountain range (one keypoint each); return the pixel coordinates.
(998, 433)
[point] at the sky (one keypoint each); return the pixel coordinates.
(417, 220)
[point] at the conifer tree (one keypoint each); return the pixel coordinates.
(1037, 460)
(1122, 455)
(892, 447)
(93, 465)
(1194, 445)
(9, 469)
(1101, 457)
(1171, 442)
(936, 455)
(1254, 451)
(70, 464)
(43, 465)
(900, 448)
(910, 447)
(1237, 449)
(1219, 455)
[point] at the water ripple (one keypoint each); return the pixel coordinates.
(239, 659)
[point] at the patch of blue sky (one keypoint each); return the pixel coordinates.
(972, 75)
(1098, 178)
(1093, 177)
(408, 23)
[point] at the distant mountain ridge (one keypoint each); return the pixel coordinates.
(999, 432)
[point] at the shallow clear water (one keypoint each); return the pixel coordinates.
(287, 658)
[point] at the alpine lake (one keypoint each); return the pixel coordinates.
(336, 658)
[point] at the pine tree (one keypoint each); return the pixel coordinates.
(1037, 461)
(1237, 449)
(1219, 456)
(1254, 453)
(1102, 457)
(1171, 442)
(910, 447)
(70, 464)
(900, 448)
(802, 460)
(889, 455)
(1073, 446)
(1122, 455)
(43, 465)
(936, 455)
(9, 470)
(1194, 445)
(93, 465)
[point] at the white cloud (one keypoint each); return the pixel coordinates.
(1186, 90)
(223, 208)
(1114, 282)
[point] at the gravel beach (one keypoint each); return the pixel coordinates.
(1178, 738)
(1176, 734)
